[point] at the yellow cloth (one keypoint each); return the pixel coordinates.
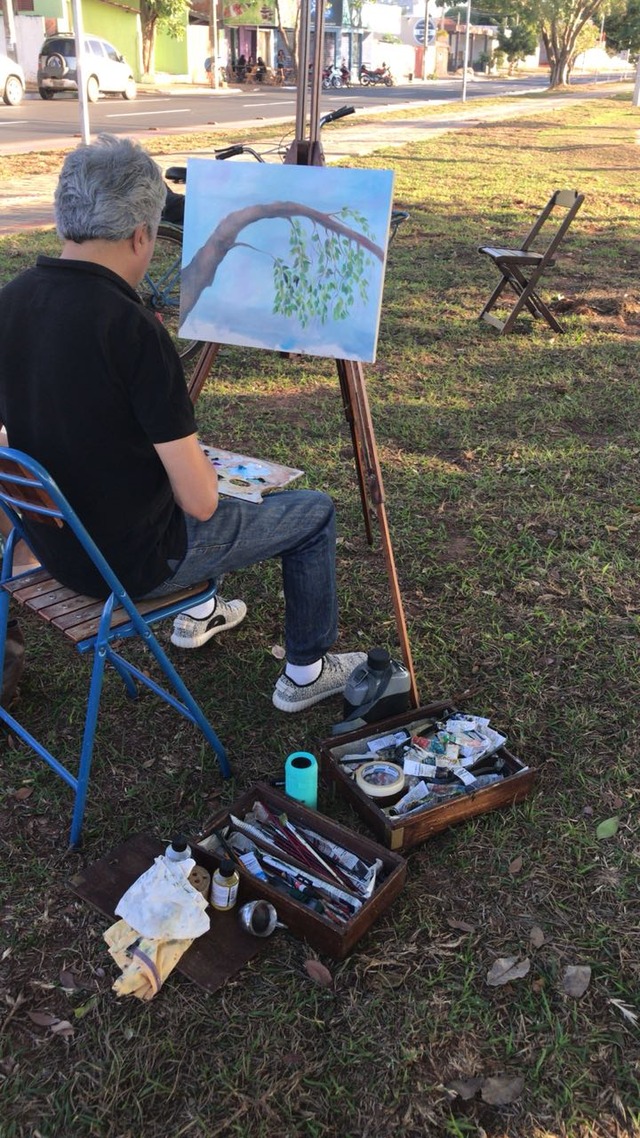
(145, 962)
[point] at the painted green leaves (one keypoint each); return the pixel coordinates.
(325, 274)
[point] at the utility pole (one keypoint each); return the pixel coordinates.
(9, 29)
(78, 27)
(213, 40)
(635, 98)
(465, 62)
(426, 39)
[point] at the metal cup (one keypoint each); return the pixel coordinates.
(258, 918)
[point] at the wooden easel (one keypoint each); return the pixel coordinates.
(306, 150)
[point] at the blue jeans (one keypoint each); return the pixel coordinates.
(299, 526)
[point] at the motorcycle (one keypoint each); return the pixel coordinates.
(332, 77)
(373, 75)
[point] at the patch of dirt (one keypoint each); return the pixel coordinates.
(603, 309)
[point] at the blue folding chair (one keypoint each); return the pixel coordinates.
(26, 490)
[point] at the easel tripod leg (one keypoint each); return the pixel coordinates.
(348, 411)
(201, 370)
(372, 492)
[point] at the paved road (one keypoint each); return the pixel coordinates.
(40, 125)
(27, 203)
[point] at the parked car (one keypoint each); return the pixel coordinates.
(11, 81)
(105, 68)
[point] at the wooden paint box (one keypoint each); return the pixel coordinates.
(402, 833)
(315, 928)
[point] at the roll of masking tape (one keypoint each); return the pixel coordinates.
(301, 778)
(382, 781)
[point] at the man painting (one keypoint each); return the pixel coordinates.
(92, 387)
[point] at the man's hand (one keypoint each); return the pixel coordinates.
(193, 479)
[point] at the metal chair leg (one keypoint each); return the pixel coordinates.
(195, 714)
(88, 739)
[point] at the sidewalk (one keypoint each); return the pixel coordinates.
(28, 203)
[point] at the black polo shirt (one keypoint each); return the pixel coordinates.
(89, 381)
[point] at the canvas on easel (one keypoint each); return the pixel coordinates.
(287, 258)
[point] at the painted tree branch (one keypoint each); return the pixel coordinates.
(201, 270)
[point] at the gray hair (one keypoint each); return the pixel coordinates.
(106, 189)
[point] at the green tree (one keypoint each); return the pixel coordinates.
(622, 27)
(517, 42)
(560, 23)
(166, 14)
(565, 30)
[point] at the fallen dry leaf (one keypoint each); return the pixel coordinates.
(516, 864)
(43, 1019)
(62, 1027)
(502, 1089)
(536, 936)
(576, 979)
(506, 969)
(465, 1088)
(22, 793)
(538, 984)
(68, 981)
(317, 971)
(57, 1026)
(464, 926)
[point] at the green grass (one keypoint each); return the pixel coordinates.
(511, 469)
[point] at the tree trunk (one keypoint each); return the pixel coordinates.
(290, 42)
(560, 71)
(149, 46)
(560, 60)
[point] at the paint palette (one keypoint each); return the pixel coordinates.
(240, 476)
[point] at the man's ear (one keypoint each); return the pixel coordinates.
(140, 238)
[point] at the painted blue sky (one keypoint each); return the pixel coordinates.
(237, 308)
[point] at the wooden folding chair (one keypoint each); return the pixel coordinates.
(27, 490)
(514, 264)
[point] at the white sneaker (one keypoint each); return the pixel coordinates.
(289, 696)
(188, 632)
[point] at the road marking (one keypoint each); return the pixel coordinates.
(142, 114)
(14, 122)
(279, 103)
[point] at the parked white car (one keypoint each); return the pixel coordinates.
(105, 69)
(11, 81)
